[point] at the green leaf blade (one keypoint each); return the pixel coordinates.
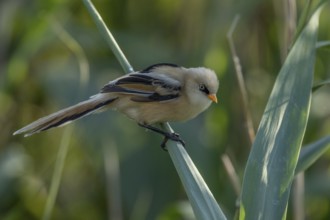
(271, 165)
(321, 84)
(322, 44)
(310, 153)
(201, 198)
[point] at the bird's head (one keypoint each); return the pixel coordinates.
(202, 86)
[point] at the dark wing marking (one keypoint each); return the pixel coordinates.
(151, 79)
(136, 78)
(145, 87)
(155, 98)
(151, 68)
(141, 82)
(125, 84)
(115, 88)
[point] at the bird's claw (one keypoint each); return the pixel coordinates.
(167, 136)
(174, 137)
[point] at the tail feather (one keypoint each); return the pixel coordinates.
(66, 115)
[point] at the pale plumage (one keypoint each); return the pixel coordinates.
(159, 93)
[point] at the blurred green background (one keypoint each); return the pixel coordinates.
(52, 56)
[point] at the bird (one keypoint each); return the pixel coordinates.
(160, 93)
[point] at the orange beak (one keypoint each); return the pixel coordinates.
(213, 97)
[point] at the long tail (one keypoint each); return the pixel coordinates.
(67, 115)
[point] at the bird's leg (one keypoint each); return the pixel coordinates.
(167, 135)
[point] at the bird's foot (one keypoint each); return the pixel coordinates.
(167, 136)
(171, 136)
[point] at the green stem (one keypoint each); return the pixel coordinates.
(105, 32)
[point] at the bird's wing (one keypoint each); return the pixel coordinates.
(145, 87)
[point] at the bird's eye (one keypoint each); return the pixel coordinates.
(203, 88)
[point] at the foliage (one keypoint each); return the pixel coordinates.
(40, 72)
